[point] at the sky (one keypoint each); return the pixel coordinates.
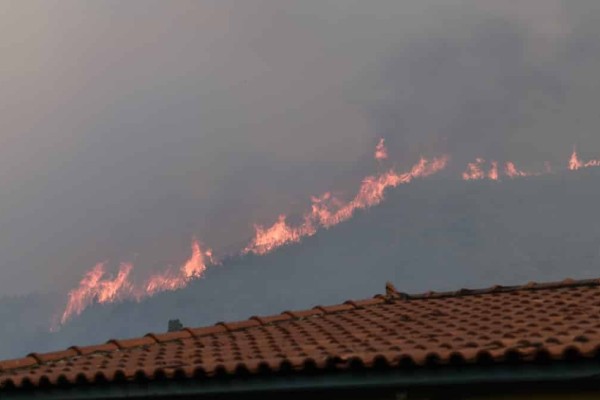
(129, 127)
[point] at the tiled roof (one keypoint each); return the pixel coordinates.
(525, 324)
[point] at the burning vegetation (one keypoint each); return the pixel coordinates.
(326, 211)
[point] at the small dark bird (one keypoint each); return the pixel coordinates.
(390, 289)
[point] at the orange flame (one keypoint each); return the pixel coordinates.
(474, 170)
(173, 280)
(327, 211)
(575, 163)
(493, 173)
(512, 172)
(381, 152)
(96, 287)
(280, 233)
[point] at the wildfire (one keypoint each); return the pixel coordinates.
(493, 174)
(476, 170)
(380, 150)
(327, 211)
(512, 172)
(173, 280)
(99, 287)
(575, 163)
(95, 287)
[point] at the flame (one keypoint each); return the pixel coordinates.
(95, 287)
(493, 173)
(98, 287)
(173, 280)
(381, 152)
(575, 163)
(280, 233)
(474, 170)
(512, 172)
(327, 211)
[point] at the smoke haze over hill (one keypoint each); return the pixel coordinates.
(129, 128)
(434, 234)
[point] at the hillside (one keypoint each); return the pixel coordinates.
(433, 234)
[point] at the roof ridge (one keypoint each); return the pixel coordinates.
(392, 295)
(532, 285)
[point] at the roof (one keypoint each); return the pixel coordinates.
(524, 324)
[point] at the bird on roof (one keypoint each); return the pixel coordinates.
(390, 289)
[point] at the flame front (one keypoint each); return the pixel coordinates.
(173, 280)
(97, 287)
(476, 170)
(512, 172)
(327, 211)
(493, 174)
(575, 163)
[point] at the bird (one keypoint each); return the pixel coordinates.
(390, 289)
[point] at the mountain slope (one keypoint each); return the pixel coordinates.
(432, 234)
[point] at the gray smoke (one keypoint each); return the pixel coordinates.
(128, 127)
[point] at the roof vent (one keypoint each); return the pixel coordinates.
(175, 325)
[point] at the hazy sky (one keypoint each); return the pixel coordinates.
(127, 127)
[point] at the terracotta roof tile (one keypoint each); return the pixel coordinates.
(337, 308)
(136, 342)
(273, 318)
(169, 336)
(83, 350)
(305, 313)
(533, 322)
(17, 363)
(364, 303)
(208, 330)
(56, 355)
(233, 326)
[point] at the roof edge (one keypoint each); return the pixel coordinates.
(392, 295)
(530, 286)
(398, 378)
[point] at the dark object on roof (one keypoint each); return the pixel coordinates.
(467, 330)
(175, 325)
